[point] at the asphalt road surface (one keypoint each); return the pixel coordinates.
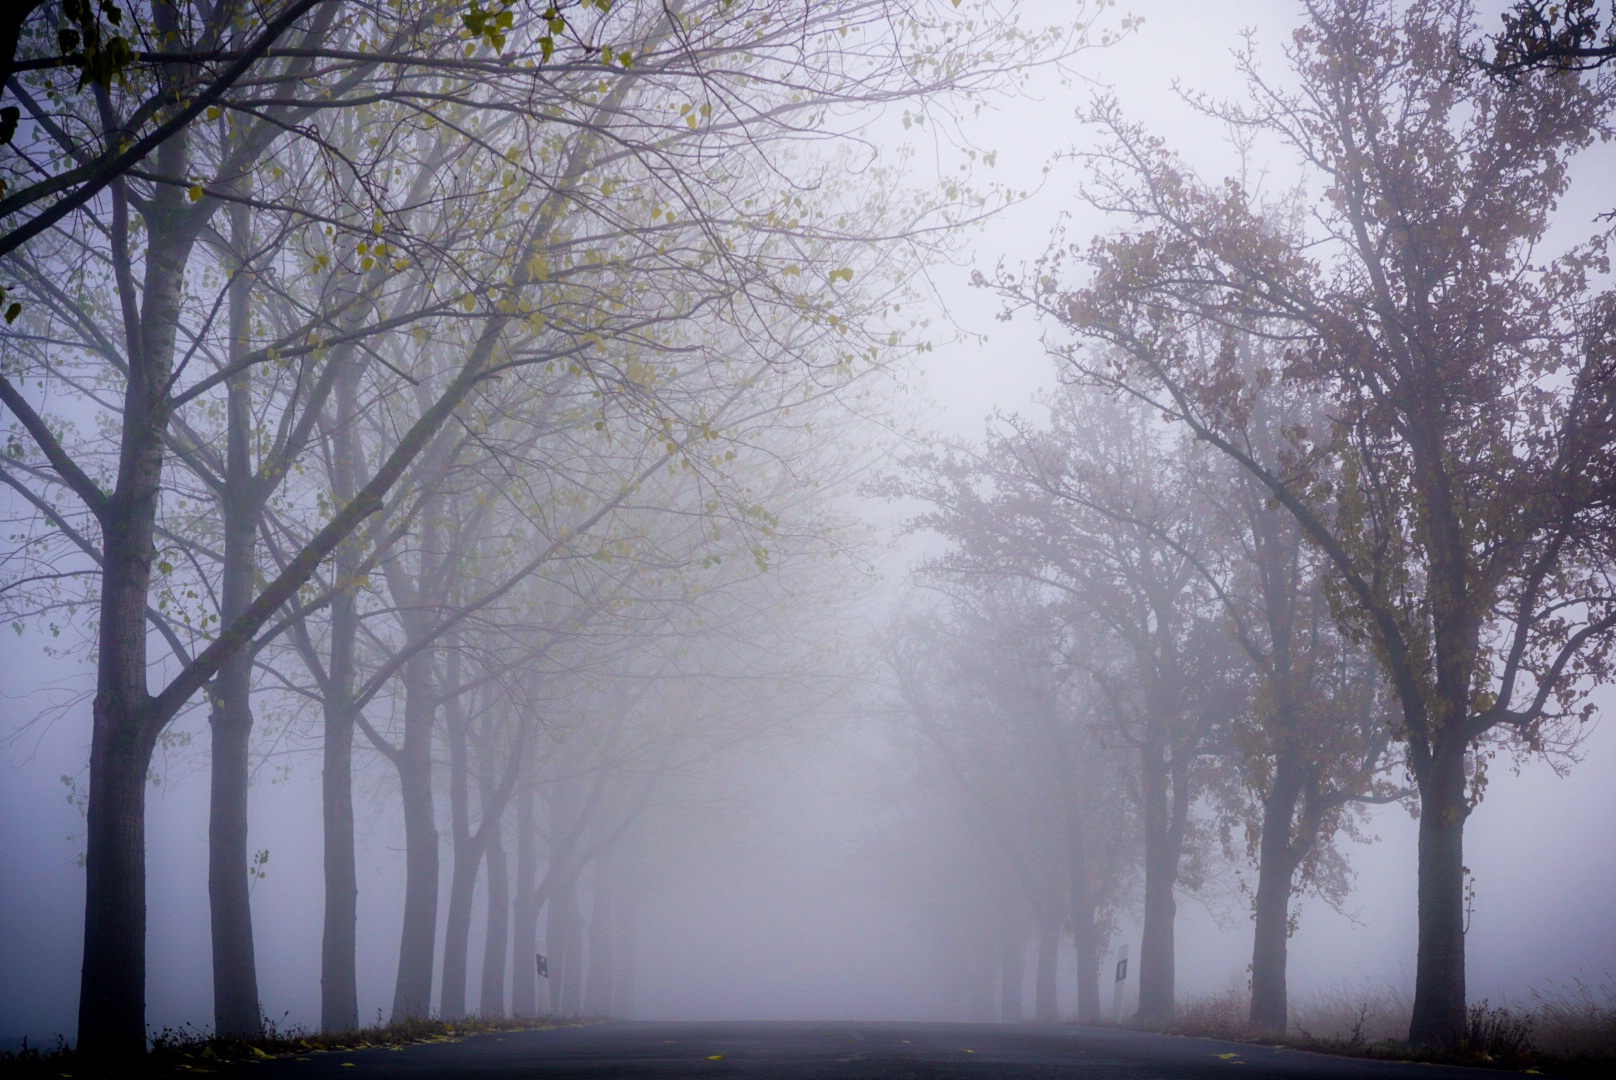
(889, 1050)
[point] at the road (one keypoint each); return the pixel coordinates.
(888, 1050)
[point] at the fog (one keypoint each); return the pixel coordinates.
(777, 755)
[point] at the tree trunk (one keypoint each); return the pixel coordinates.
(491, 1002)
(1276, 871)
(1012, 971)
(1156, 989)
(598, 988)
(1439, 980)
(339, 982)
(1085, 938)
(467, 861)
(625, 942)
(112, 995)
(981, 967)
(525, 909)
(112, 989)
(412, 993)
(235, 975)
(235, 972)
(1045, 984)
(560, 939)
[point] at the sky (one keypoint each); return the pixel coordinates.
(783, 915)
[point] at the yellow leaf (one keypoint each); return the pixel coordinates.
(195, 192)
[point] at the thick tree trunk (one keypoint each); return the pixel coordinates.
(491, 1001)
(1012, 971)
(235, 971)
(560, 938)
(1276, 871)
(525, 909)
(1439, 980)
(1087, 945)
(625, 946)
(598, 987)
(467, 861)
(1045, 981)
(112, 995)
(112, 989)
(981, 967)
(412, 993)
(339, 982)
(1156, 978)
(1085, 938)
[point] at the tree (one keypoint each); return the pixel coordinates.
(1046, 506)
(1462, 489)
(1311, 748)
(1011, 720)
(1302, 735)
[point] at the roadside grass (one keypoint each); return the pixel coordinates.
(180, 1051)
(1568, 1028)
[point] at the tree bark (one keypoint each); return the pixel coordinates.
(1276, 871)
(560, 938)
(412, 993)
(625, 942)
(112, 995)
(1156, 976)
(525, 909)
(1045, 984)
(598, 987)
(1085, 937)
(1439, 983)
(112, 1004)
(1012, 971)
(339, 981)
(236, 1011)
(467, 859)
(496, 943)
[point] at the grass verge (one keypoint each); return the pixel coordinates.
(1568, 1029)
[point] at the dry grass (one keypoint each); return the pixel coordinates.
(1354, 1015)
(1571, 1027)
(1576, 1019)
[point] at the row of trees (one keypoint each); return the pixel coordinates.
(1160, 669)
(1331, 490)
(406, 358)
